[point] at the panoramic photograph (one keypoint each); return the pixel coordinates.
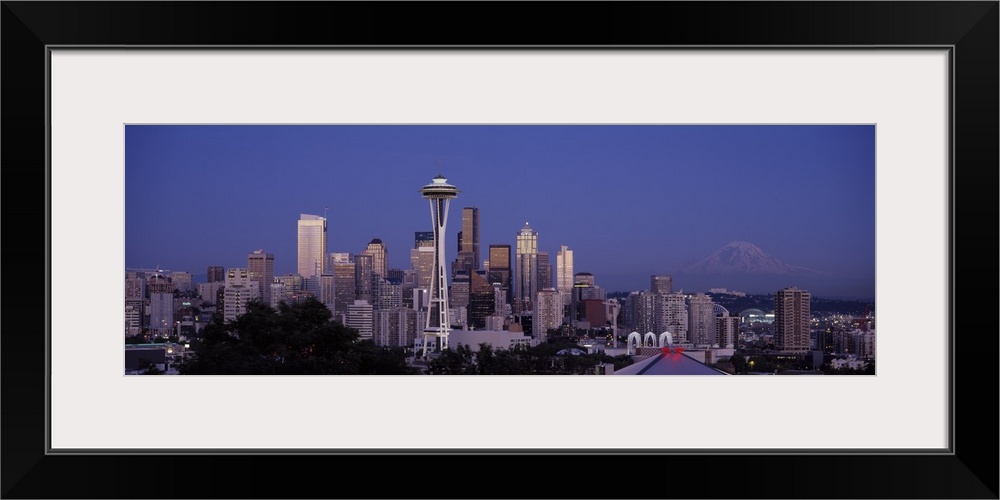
(499, 250)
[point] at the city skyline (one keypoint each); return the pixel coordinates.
(630, 201)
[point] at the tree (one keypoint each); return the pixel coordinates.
(452, 362)
(486, 360)
(739, 363)
(621, 361)
(296, 339)
(148, 368)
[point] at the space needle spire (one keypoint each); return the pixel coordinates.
(440, 194)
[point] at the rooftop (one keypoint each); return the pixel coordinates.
(669, 364)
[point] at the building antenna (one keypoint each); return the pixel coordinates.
(325, 209)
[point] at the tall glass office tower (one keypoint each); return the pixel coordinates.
(526, 281)
(564, 273)
(312, 245)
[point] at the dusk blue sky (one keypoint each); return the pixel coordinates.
(630, 201)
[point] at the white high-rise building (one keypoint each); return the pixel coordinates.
(240, 290)
(135, 298)
(360, 316)
(727, 329)
(548, 313)
(439, 193)
(672, 316)
(312, 245)
(564, 273)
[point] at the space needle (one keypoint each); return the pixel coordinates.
(440, 194)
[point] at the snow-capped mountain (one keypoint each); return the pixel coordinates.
(743, 257)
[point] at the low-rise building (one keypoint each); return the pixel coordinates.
(498, 339)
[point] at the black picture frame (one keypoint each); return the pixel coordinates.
(969, 28)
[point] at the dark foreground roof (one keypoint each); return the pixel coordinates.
(134, 358)
(669, 364)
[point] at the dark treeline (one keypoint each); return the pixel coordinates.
(543, 359)
(296, 339)
(301, 339)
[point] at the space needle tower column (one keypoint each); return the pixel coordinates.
(440, 194)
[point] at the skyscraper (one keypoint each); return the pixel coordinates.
(182, 281)
(380, 257)
(482, 301)
(312, 245)
(364, 277)
(439, 193)
(458, 293)
(659, 283)
(701, 321)
(394, 327)
(216, 274)
(277, 289)
(791, 320)
(135, 296)
(586, 279)
(672, 316)
(240, 290)
(422, 262)
(394, 274)
(328, 291)
(526, 281)
(261, 268)
(727, 329)
(161, 305)
(500, 263)
(544, 270)
(564, 273)
(388, 293)
(345, 288)
(640, 311)
(287, 288)
(548, 313)
(423, 239)
(468, 253)
(360, 316)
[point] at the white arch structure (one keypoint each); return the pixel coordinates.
(629, 347)
(666, 340)
(668, 337)
(649, 340)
